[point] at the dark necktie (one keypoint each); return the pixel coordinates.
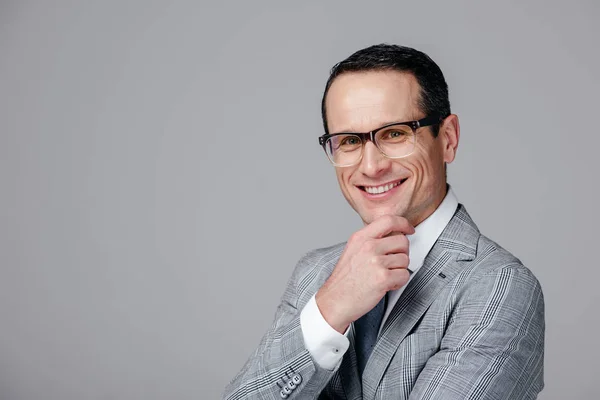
(366, 332)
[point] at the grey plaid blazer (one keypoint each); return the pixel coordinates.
(469, 325)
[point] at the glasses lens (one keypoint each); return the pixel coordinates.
(344, 149)
(396, 141)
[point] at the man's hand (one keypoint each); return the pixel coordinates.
(374, 262)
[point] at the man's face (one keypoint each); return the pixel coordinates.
(364, 101)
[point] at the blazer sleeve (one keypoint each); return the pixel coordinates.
(493, 347)
(281, 354)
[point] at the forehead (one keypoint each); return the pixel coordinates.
(363, 101)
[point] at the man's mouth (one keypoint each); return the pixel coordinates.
(382, 188)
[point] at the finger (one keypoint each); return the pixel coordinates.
(392, 244)
(398, 278)
(396, 261)
(388, 224)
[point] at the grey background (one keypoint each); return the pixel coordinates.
(160, 176)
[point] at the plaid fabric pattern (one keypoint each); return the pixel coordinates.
(470, 325)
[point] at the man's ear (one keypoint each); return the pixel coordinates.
(449, 134)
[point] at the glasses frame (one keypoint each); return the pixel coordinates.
(433, 119)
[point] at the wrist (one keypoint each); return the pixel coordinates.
(326, 308)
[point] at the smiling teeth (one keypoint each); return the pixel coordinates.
(381, 189)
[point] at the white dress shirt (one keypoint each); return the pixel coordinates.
(326, 345)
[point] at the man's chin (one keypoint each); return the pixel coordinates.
(372, 215)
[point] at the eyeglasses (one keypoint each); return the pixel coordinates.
(395, 140)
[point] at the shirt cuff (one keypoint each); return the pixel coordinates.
(325, 345)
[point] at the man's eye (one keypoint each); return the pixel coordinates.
(350, 141)
(395, 134)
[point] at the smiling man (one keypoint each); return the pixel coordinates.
(418, 303)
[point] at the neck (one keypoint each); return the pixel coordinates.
(440, 195)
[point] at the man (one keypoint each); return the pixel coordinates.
(417, 304)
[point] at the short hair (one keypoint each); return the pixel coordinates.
(433, 95)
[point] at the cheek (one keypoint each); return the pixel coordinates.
(343, 177)
(428, 163)
(418, 167)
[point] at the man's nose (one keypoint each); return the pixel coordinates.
(373, 161)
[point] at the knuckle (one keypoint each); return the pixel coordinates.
(375, 260)
(404, 241)
(404, 260)
(385, 221)
(355, 237)
(382, 278)
(403, 222)
(405, 275)
(401, 278)
(369, 246)
(390, 220)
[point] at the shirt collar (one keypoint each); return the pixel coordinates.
(428, 231)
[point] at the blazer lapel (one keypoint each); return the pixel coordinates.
(456, 244)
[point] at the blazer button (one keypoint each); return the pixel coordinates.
(291, 385)
(297, 379)
(286, 390)
(283, 395)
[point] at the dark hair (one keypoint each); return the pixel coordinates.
(433, 97)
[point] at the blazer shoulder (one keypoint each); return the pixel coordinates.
(492, 258)
(496, 278)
